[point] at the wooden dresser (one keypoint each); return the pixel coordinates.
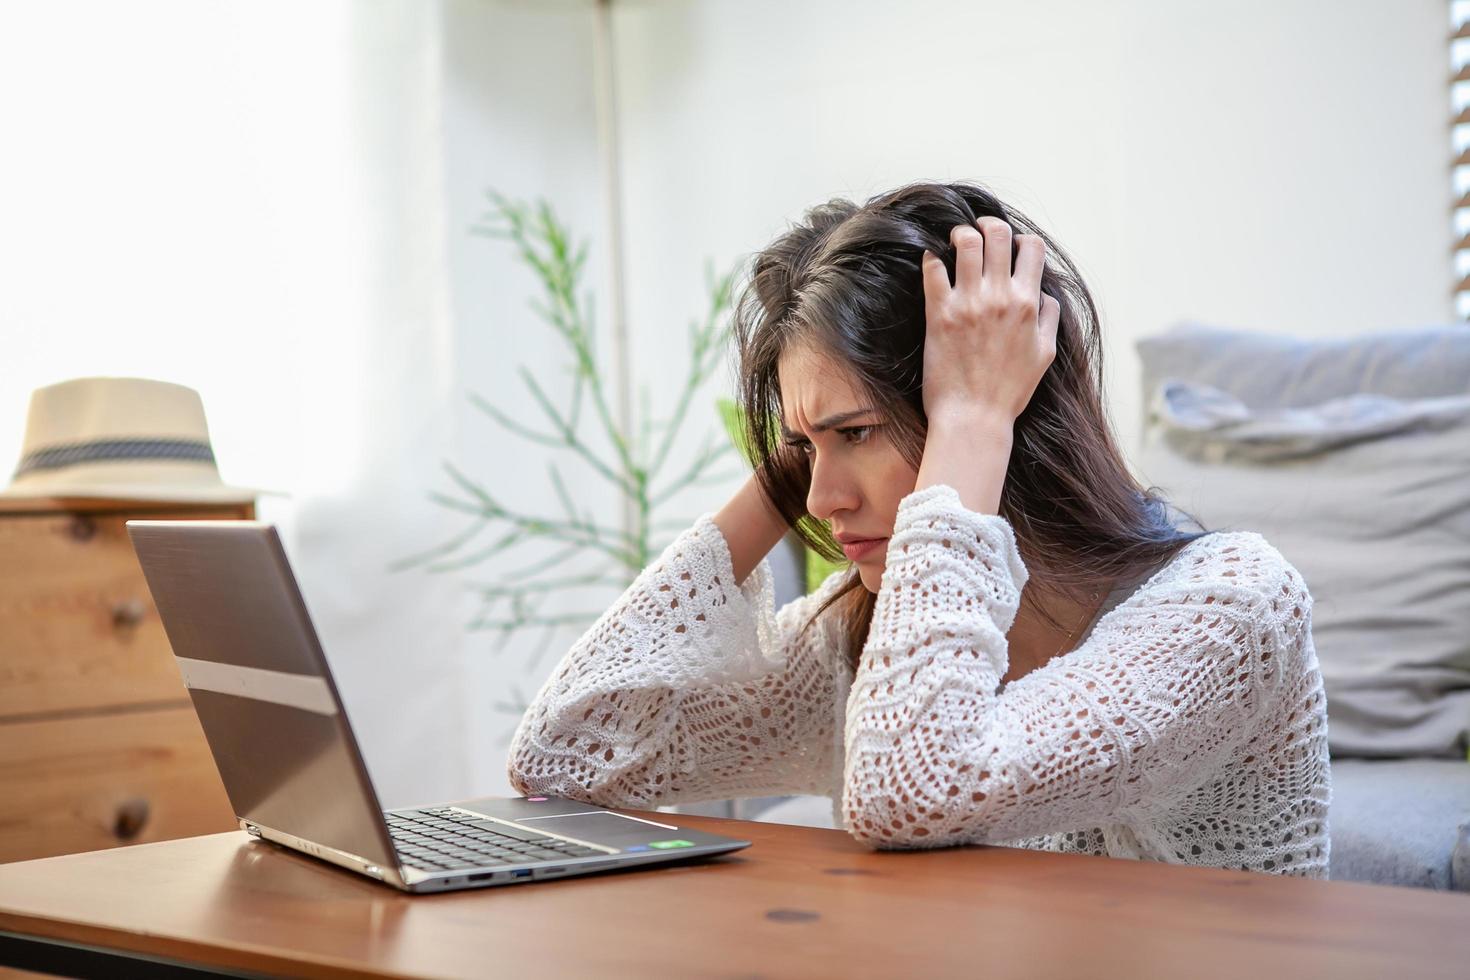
(99, 745)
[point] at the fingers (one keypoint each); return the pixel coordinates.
(969, 257)
(1051, 315)
(936, 280)
(997, 235)
(983, 255)
(1030, 259)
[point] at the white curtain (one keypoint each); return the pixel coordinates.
(249, 200)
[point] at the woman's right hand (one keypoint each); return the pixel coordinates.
(990, 337)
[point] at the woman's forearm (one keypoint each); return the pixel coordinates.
(751, 528)
(970, 452)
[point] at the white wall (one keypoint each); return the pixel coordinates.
(520, 118)
(1265, 165)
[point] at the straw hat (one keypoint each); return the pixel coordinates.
(127, 438)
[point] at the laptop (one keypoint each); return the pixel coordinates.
(286, 753)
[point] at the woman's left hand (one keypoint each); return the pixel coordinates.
(991, 336)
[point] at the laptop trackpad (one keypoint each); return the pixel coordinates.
(612, 829)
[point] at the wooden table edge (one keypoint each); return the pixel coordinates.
(245, 959)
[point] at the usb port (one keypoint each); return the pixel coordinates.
(522, 873)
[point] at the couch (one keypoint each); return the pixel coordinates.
(1352, 456)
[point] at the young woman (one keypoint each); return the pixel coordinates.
(1028, 648)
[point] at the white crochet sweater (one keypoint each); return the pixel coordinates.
(1190, 725)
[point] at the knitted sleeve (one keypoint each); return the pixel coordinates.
(1166, 687)
(688, 688)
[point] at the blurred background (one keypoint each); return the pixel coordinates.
(274, 203)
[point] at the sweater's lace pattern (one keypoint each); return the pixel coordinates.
(1190, 726)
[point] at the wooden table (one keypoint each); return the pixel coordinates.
(800, 902)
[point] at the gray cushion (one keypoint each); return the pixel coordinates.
(1275, 371)
(1366, 492)
(1401, 822)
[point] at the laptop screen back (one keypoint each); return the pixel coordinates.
(259, 682)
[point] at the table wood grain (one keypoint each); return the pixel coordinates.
(800, 902)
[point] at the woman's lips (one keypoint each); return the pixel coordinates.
(858, 550)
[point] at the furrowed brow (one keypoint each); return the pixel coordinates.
(829, 422)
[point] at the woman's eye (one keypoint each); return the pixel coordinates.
(855, 435)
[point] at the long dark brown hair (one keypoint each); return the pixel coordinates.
(847, 281)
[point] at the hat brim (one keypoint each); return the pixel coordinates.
(134, 491)
(167, 480)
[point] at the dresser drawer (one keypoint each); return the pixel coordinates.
(95, 781)
(78, 628)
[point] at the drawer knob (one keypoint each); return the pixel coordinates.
(83, 528)
(131, 815)
(128, 612)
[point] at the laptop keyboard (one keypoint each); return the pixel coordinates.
(443, 839)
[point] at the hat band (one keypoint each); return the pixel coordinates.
(188, 450)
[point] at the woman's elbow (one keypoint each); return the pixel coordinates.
(530, 778)
(883, 821)
(533, 774)
(908, 838)
(517, 781)
(878, 822)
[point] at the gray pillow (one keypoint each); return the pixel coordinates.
(1274, 371)
(1369, 497)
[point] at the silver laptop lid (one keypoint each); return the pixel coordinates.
(260, 683)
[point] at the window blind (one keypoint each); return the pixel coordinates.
(1459, 40)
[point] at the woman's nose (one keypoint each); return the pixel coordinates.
(832, 489)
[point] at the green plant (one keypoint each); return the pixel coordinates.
(630, 464)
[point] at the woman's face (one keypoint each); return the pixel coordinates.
(858, 475)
